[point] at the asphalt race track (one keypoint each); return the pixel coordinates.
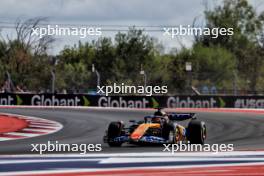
(87, 126)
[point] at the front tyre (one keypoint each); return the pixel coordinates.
(114, 130)
(196, 132)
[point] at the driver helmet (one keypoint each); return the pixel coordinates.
(156, 119)
(160, 113)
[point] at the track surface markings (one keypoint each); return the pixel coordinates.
(14, 127)
(200, 163)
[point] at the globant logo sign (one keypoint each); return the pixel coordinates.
(41, 100)
(120, 102)
(7, 100)
(176, 102)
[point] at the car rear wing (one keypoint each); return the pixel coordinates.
(181, 116)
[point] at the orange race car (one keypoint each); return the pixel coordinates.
(159, 128)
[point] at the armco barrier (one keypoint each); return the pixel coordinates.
(132, 101)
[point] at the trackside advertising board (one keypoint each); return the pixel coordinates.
(133, 101)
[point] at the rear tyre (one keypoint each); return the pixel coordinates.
(114, 130)
(196, 132)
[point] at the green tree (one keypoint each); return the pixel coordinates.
(105, 60)
(213, 65)
(133, 50)
(247, 25)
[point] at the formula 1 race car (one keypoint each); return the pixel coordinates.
(160, 128)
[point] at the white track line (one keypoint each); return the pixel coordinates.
(22, 134)
(5, 139)
(36, 130)
(146, 154)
